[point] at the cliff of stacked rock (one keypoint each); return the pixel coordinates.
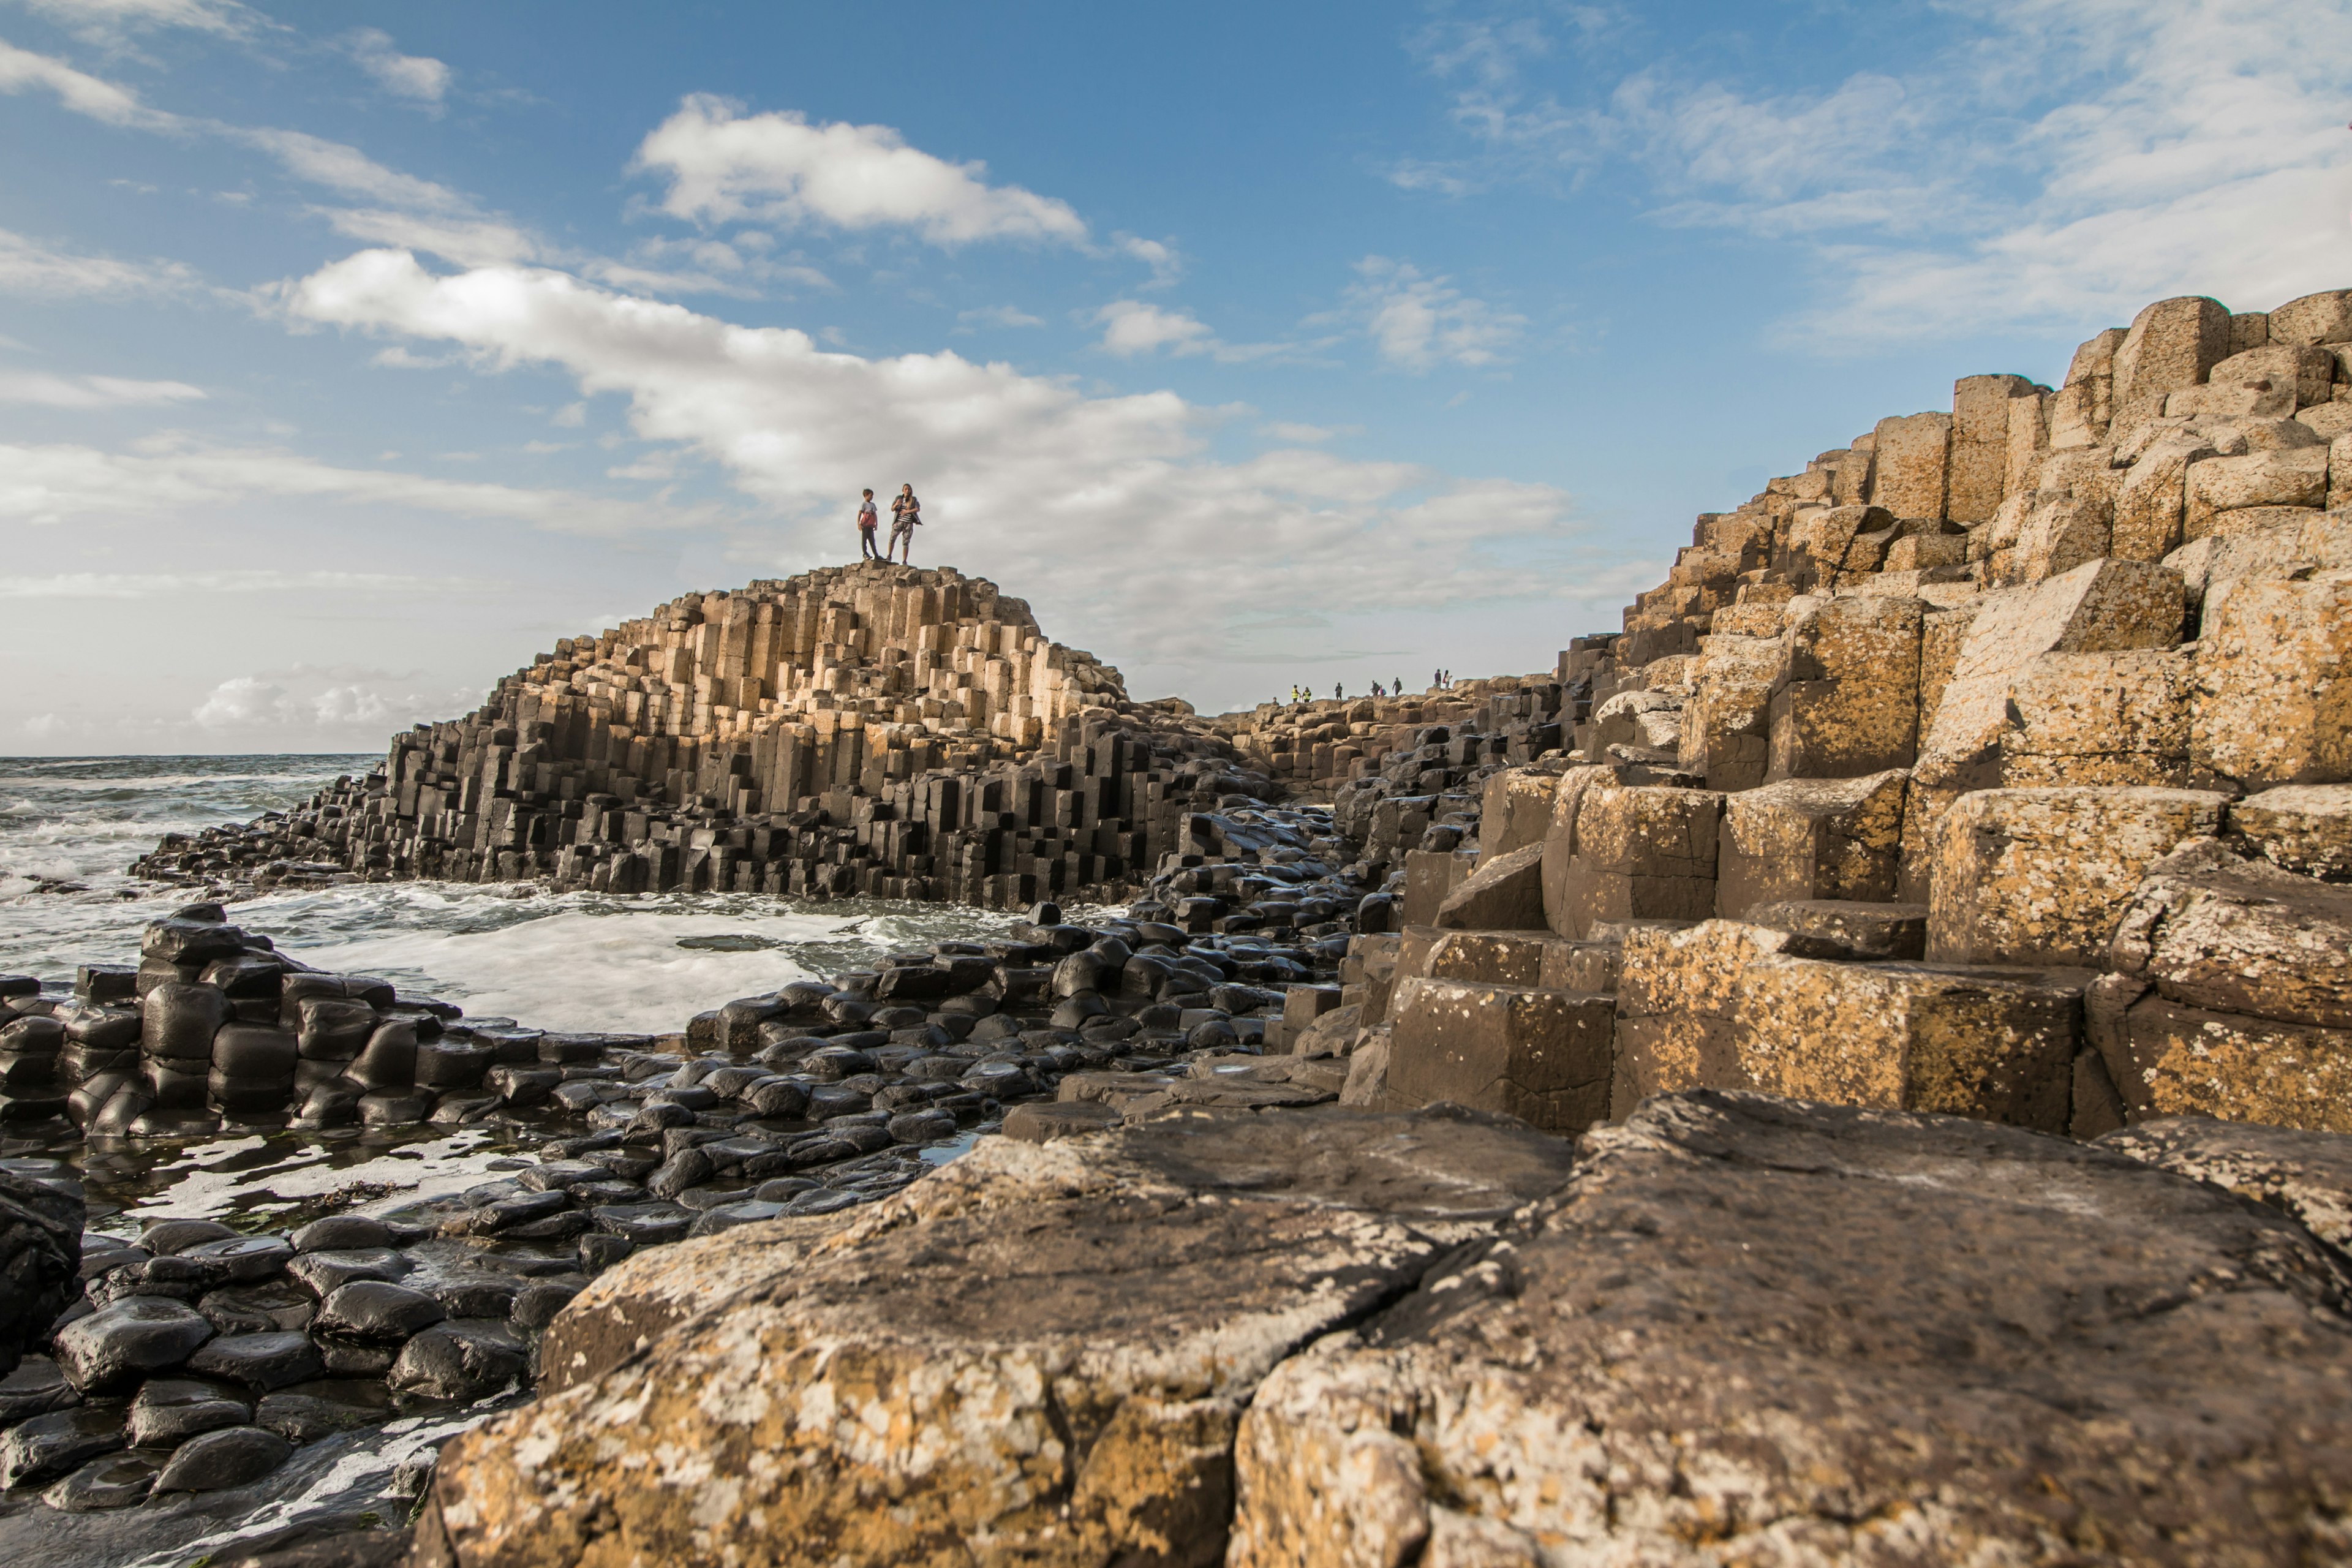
(1851, 1067)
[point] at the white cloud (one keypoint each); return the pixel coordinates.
(1306, 435)
(998, 316)
(28, 267)
(49, 484)
(265, 705)
(343, 168)
(50, 391)
(466, 240)
(1420, 321)
(1160, 256)
(1131, 327)
(21, 71)
(2060, 160)
(420, 79)
(724, 165)
(1155, 547)
(108, 21)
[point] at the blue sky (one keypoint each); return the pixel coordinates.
(350, 353)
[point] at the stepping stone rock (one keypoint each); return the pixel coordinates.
(259, 1361)
(306, 1412)
(922, 1127)
(117, 1345)
(229, 1457)
(37, 1387)
(727, 1216)
(246, 1259)
(645, 1225)
(342, 1233)
(264, 1309)
(171, 1236)
(46, 1445)
(535, 1306)
(376, 1312)
(461, 1362)
(323, 1272)
(170, 1410)
(117, 1481)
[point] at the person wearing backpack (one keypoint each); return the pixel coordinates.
(906, 516)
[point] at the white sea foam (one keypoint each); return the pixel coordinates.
(577, 961)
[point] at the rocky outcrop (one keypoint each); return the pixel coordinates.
(1996, 763)
(1043, 1350)
(1736, 1327)
(873, 730)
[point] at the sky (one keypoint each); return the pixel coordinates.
(351, 355)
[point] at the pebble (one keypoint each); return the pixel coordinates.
(115, 1480)
(169, 1410)
(377, 1311)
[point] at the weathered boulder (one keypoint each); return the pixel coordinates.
(1731, 1005)
(1811, 838)
(1846, 702)
(1041, 1350)
(40, 1259)
(1638, 852)
(2305, 1176)
(2275, 671)
(2210, 930)
(2301, 827)
(1542, 1055)
(1505, 893)
(2044, 875)
(1753, 1331)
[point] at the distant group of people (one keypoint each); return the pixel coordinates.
(906, 516)
(1301, 694)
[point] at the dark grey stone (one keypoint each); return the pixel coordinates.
(377, 1311)
(323, 1272)
(341, 1233)
(306, 1411)
(169, 1410)
(115, 1480)
(259, 1361)
(460, 1361)
(50, 1444)
(228, 1457)
(118, 1345)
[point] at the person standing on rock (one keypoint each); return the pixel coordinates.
(906, 516)
(1339, 693)
(868, 520)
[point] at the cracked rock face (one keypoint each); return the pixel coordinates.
(1755, 1331)
(1039, 1354)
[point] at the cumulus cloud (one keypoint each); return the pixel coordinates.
(49, 484)
(1131, 327)
(44, 390)
(722, 164)
(420, 79)
(287, 705)
(1419, 322)
(1112, 501)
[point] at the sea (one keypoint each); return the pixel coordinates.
(70, 826)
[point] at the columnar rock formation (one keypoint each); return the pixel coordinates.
(871, 730)
(1995, 764)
